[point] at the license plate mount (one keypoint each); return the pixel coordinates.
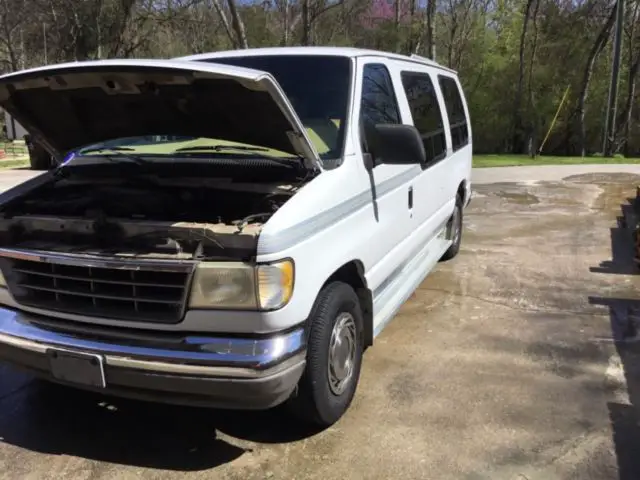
(77, 368)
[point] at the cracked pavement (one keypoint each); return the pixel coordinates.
(516, 360)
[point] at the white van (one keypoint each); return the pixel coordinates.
(229, 229)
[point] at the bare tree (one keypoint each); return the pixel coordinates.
(516, 139)
(396, 23)
(225, 22)
(311, 12)
(12, 19)
(634, 69)
(596, 49)
(285, 23)
(306, 23)
(431, 28)
(238, 25)
(530, 103)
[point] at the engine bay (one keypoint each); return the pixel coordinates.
(144, 215)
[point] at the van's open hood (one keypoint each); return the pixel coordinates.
(75, 104)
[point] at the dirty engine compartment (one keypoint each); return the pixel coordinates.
(156, 214)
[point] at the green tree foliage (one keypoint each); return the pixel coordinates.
(516, 58)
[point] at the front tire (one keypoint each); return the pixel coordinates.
(334, 357)
(454, 230)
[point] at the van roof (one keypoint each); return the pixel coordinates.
(349, 52)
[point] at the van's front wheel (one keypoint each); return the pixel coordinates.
(454, 230)
(334, 357)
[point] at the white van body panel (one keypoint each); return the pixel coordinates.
(345, 215)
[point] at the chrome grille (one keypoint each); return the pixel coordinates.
(145, 295)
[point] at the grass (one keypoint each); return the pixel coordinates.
(14, 148)
(480, 161)
(16, 155)
(19, 162)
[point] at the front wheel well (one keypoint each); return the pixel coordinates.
(352, 273)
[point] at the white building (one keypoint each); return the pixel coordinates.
(15, 131)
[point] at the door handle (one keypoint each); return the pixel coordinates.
(410, 198)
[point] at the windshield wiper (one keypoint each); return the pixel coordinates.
(218, 148)
(102, 149)
(114, 153)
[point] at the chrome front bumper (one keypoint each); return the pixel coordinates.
(216, 371)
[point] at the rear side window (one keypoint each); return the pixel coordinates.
(458, 122)
(425, 110)
(379, 104)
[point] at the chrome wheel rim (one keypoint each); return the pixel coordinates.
(342, 353)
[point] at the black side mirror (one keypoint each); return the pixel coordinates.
(395, 144)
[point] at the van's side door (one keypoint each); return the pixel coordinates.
(434, 202)
(391, 185)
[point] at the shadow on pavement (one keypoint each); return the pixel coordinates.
(622, 255)
(55, 420)
(625, 418)
(624, 315)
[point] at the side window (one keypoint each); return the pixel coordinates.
(379, 103)
(455, 109)
(426, 114)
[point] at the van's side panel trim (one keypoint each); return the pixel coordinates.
(268, 244)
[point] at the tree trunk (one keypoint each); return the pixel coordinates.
(598, 46)
(431, 29)
(285, 24)
(410, 37)
(225, 22)
(306, 22)
(12, 18)
(453, 31)
(533, 117)
(634, 67)
(396, 23)
(517, 143)
(238, 25)
(628, 109)
(8, 41)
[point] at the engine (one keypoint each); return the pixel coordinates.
(149, 202)
(184, 217)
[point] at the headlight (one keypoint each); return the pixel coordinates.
(240, 286)
(224, 285)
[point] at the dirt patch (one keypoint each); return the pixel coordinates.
(519, 198)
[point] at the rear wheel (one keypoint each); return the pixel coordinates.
(454, 230)
(334, 357)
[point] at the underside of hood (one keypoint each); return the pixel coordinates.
(78, 104)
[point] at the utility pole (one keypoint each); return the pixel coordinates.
(610, 117)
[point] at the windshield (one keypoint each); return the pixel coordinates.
(317, 86)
